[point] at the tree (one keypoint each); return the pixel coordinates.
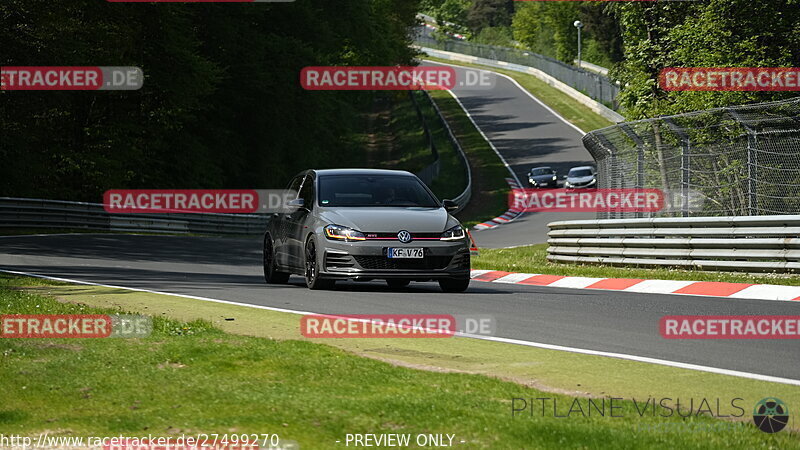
(490, 13)
(713, 33)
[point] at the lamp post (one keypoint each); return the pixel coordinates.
(578, 24)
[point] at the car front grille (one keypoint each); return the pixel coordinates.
(384, 263)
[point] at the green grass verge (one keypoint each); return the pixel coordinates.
(489, 188)
(573, 111)
(533, 259)
(201, 372)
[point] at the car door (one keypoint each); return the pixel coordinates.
(297, 223)
(281, 227)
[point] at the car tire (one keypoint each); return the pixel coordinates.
(397, 283)
(271, 274)
(454, 284)
(311, 266)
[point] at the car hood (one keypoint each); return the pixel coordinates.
(538, 178)
(580, 179)
(389, 219)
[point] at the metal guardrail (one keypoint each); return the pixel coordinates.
(24, 213)
(749, 243)
(429, 173)
(466, 194)
(597, 87)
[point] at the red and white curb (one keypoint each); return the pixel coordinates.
(702, 288)
(509, 215)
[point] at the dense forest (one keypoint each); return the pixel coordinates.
(221, 105)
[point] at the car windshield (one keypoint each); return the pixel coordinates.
(580, 173)
(542, 171)
(374, 190)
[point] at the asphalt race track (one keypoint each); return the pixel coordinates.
(527, 135)
(229, 269)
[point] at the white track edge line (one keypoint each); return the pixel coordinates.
(488, 141)
(644, 359)
(516, 83)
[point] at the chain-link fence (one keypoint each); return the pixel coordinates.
(596, 86)
(734, 161)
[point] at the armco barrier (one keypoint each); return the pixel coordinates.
(465, 196)
(580, 97)
(26, 213)
(749, 243)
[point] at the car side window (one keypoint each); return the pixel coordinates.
(307, 192)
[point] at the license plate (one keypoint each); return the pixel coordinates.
(405, 253)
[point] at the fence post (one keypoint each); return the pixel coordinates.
(686, 149)
(639, 158)
(612, 179)
(752, 162)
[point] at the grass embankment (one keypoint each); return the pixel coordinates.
(489, 188)
(234, 373)
(573, 111)
(533, 259)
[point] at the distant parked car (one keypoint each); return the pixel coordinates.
(543, 177)
(581, 178)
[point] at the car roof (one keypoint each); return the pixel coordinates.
(541, 167)
(581, 168)
(362, 172)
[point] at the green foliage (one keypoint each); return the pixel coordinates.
(547, 28)
(500, 36)
(490, 13)
(450, 15)
(221, 105)
(713, 33)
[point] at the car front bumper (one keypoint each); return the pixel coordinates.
(367, 260)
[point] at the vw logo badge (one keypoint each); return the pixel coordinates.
(404, 237)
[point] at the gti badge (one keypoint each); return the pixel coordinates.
(404, 237)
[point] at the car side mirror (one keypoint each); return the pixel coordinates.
(296, 203)
(450, 205)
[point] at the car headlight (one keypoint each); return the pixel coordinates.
(340, 233)
(533, 182)
(567, 184)
(554, 178)
(455, 233)
(593, 182)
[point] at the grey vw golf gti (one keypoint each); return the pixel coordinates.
(364, 224)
